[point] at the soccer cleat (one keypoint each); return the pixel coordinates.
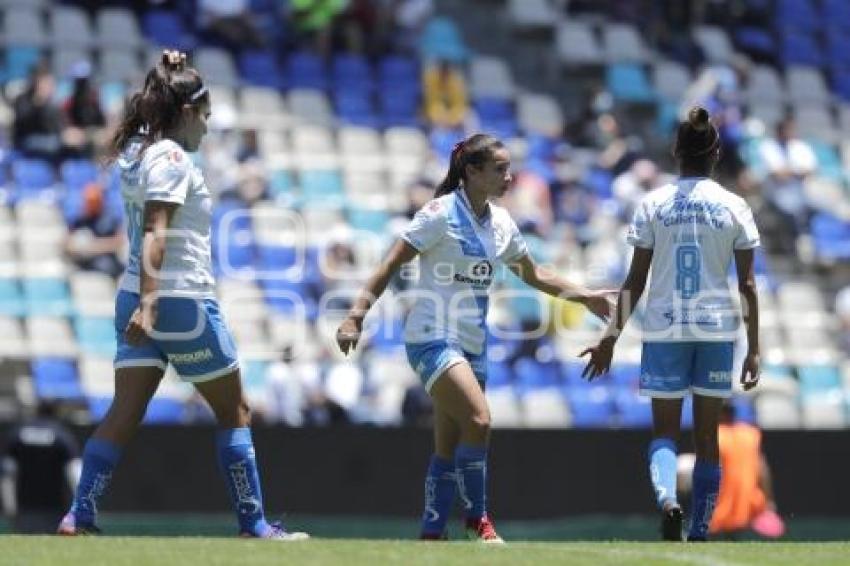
(482, 530)
(671, 523)
(434, 537)
(278, 532)
(68, 527)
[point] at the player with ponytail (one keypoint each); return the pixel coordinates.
(688, 232)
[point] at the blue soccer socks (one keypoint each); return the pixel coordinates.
(440, 487)
(238, 464)
(662, 470)
(471, 465)
(706, 485)
(99, 459)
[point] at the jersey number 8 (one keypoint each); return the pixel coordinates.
(688, 263)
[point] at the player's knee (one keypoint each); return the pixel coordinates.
(480, 423)
(244, 412)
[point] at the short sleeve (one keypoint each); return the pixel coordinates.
(168, 175)
(516, 247)
(640, 233)
(427, 227)
(748, 234)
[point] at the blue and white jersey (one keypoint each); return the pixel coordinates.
(166, 173)
(458, 252)
(693, 227)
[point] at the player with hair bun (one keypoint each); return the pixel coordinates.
(166, 311)
(460, 231)
(688, 233)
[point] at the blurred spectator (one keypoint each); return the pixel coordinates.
(229, 22)
(84, 118)
(530, 202)
(251, 185)
(789, 161)
(313, 21)
(339, 274)
(444, 91)
(38, 122)
(40, 470)
(96, 238)
(410, 19)
(419, 193)
(248, 146)
(630, 187)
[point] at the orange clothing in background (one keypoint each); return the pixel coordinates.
(444, 96)
(741, 498)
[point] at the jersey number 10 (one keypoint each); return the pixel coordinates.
(688, 264)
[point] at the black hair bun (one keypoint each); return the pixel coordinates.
(698, 118)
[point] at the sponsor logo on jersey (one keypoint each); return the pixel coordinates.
(195, 357)
(480, 275)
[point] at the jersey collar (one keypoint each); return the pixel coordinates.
(464, 198)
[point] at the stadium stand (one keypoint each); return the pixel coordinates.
(312, 156)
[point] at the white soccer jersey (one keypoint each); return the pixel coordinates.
(166, 173)
(693, 227)
(457, 256)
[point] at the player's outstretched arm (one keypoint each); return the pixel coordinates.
(744, 263)
(549, 282)
(349, 331)
(627, 300)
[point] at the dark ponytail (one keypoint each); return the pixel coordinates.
(474, 150)
(697, 141)
(168, 87)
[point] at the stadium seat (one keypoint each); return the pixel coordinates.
(47, 296)
(310, 107)
(50, 336)
(166, 28)
(11, 298)
(356, 108)
(532, 15)
(13, 344)
(396, 71)
(216, 66)
(70, 28)
(117, 28)
(539, 114)
(764, 86)
(671, 80)
(32, 177)
(490, 77)
(532, 374)
(260, 68)
(831, 236)
(799, 15)
(232, 239)
(23, 26)
(56, 378)
(590, 407)
(818, 379)
(305, 70)
(399, 107)
(544, 408)
(504, 407)
(801, 49)
(623, 44)
(20, 58)
(714, 43)
(321, 187)
(577, 46)
(628, 83)
(352, 72)
(777, 411)
(755, 41)
(824, 411)
(77, 173)
(806, 85)
(95, 335)
(93, 293)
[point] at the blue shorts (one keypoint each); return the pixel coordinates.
(668, 370)
(189, 333)
(430, 359)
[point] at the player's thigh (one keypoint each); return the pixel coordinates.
(459, 395)
(707, 412)
(446, 434)
(224, 394)
(134, 388)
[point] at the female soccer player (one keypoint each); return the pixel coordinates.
(459, 236)
(166, 310)
(688, 232)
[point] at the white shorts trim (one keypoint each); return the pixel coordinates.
(209, 376)
(432, 379)
(663, 394)
(720, 394)
(140, 363)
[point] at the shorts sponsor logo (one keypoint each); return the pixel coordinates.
(191, 357)
(719, 377)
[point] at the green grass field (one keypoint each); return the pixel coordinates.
(21, 550)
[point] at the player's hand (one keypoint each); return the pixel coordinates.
(750, 371)
(348, 334)
(600, 358)
(601, 303)
(141, 323)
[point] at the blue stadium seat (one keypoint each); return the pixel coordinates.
(838, 46)
(261, 68)
(386, 336)
(370, 220)
(841, 83)
(571, 370)
(32, 177)
(801, 49)
(20, 59)
(352, 73)
(232, 238)
(95, 335)
(56, 378)
(305, 70)
(281, 185)
(755, 40)
(166, 28)
(499, 374)
(289, 296)
(625, 375)
(47, 296)
(497, 116)
(831, 236)
(11, 298)
(533, 374)
(253, 373)
(836, 13)
(441, 39)
(600, 181)
(277, 258)
(355, 107)
(629, 83)
(634, 411)
(395, 71)
(797, 14)
(590, 407)
(399, 107)
(815, 379)
(322, 186)
(77, 173)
